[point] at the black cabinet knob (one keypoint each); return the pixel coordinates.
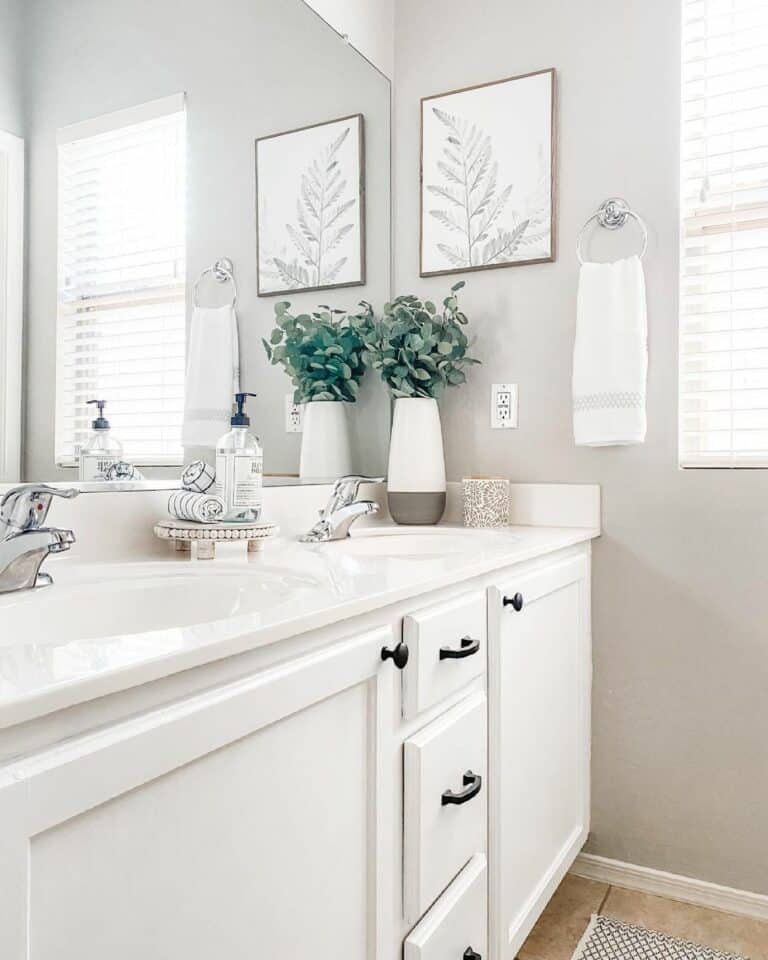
(470, 954)
(515, 602)
(398, 654)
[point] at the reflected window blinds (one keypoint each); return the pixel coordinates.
(121, 281)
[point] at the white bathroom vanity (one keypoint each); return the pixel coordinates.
(233, 759)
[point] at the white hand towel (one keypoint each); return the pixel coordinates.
(200, 507)
(213, 375)
(610, 354)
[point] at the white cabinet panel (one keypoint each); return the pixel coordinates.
(251, 820)
(539, 741)
(445, 801)
(447, 644)
(456, 928)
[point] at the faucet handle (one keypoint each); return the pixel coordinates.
(346, 489)
(26, 507)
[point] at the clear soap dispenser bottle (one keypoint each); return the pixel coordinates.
(101, 449)
(239, 468)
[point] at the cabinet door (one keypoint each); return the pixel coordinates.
(252, 820)
(539, 741)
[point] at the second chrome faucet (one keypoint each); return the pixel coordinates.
(342, 510)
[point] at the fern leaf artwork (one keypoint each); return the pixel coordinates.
(487, 176)
(309, 196)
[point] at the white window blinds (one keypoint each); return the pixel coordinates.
(121, 312)
(724, 253)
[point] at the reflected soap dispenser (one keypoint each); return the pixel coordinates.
(239, 468)
(101, 449)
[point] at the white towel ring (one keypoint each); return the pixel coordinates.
(222, 271)
(612, 214)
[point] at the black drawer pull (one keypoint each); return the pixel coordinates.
(467, 649)
(515, 602)
(398, 654)
(470, 954)
(472, 781)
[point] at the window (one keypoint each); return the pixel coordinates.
(121, 310)
(724, 246)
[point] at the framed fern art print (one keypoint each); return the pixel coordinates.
(310, 208)
(487, 176)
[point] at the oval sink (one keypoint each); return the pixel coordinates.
(124, 599)
(417, 543)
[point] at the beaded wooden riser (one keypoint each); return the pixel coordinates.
(184, 533)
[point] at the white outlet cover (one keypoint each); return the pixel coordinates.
(504, 406)
(294, 415)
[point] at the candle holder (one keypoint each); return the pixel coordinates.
(485, 501)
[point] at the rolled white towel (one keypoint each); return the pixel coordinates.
(200, 507)
(198, 477)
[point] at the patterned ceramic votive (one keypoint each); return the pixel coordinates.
(485, 501)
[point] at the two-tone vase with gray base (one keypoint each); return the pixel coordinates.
(416, 473)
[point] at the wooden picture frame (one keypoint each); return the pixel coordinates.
(515, 216)
(299, 247)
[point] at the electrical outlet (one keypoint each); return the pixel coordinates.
(294, 415)
(504, 406)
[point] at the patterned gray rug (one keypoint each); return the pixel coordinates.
(608, 939)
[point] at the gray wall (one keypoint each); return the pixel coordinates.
(680, 627)
(11, 116)
(249, 68)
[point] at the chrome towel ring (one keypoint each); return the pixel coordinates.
(612, 214)
(223, 270)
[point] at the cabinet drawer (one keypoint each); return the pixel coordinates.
(456, 927)
(445, 801)
(447, 644)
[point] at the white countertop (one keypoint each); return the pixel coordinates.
(286, 590)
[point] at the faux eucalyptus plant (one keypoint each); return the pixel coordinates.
(417, 350)
(321, 352)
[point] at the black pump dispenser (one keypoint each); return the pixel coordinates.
(241, 419)
(99, 423)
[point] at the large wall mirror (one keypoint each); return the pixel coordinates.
(177, 154)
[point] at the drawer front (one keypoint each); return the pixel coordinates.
(445, 801)
(456, 928)
(448, 650)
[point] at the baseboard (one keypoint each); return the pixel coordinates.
(671, 885)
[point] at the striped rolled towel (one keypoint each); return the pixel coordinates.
(200, 507)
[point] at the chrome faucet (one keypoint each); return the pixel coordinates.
(342, 510)
(25, 541)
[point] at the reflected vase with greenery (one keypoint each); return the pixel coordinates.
(322, 353)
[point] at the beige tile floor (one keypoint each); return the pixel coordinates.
(563, 922)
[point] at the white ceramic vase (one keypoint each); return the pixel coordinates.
(416, 473)
(326, 452)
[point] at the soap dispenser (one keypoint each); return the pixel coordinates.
(239, 468)
(101, 449)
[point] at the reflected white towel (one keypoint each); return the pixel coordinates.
(213, 375)
(610, 354)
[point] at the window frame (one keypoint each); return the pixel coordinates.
(11, 314)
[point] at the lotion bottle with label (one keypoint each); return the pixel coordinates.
(101, 449)
(239, 468)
